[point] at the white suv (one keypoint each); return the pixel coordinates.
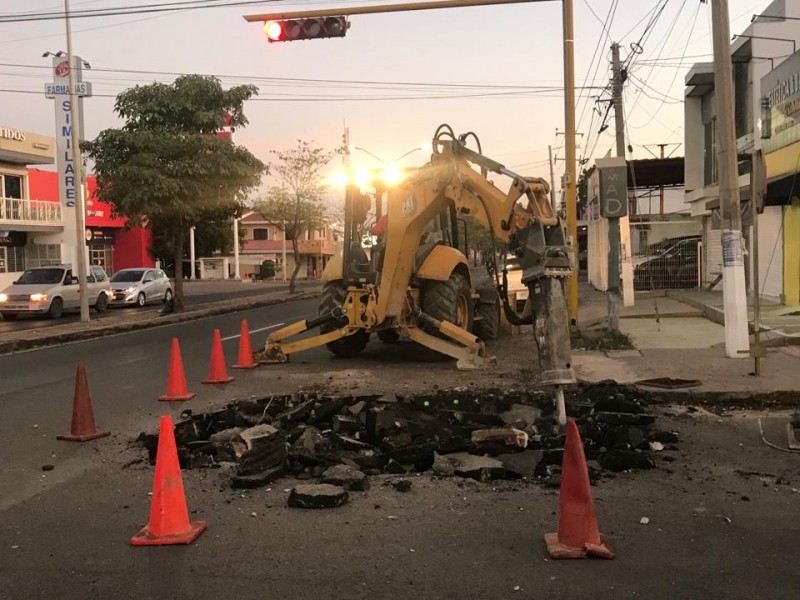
(52, 290)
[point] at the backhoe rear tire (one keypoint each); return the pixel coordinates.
(488, 326)
(334, 294)
(449, 300)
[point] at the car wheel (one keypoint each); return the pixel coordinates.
(141, 299)
(102, 303)
(9, 316)
(56, 308)
(167, 296)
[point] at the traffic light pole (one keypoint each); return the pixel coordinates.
(385, 8)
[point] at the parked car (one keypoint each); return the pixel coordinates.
(675, 268)
(52, 290)
(140, 286)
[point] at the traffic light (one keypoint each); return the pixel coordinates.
(291, 30)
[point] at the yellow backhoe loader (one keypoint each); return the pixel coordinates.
(403, 271)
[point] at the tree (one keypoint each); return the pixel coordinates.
(166, 167)
(296, 205)
(479, 239)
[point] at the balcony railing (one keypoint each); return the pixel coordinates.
(21, 211)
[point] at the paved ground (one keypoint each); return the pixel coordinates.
(721, 512)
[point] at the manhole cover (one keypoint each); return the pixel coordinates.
(669, 383)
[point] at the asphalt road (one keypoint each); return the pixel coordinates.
(713, 532)
(192, 297)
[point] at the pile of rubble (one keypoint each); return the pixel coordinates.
(340, 441)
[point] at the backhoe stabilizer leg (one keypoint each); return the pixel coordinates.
(275, 351)
(471, 354)
(551, 331)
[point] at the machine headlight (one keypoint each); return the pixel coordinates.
(38, 297)
(3, 297)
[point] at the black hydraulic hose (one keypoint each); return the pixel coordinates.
(511, 314)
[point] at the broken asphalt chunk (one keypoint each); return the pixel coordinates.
(623, 460)
(257, 480)
(508, 435)
(322, 495)
(346, 477)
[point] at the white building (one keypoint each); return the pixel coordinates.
(763, 46)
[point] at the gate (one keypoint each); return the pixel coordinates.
(666, 254)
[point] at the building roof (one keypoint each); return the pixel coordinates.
(656, 172)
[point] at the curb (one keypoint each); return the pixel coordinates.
(103, 331)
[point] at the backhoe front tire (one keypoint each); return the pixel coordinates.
(488, 326)
(334, 294)
(449, 300)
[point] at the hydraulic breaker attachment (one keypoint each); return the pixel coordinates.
(470, 355)
(551, 330)
(276, 352)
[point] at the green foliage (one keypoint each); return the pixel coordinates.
(165, 167)
(479, 238)
(601, 339)
(297, 204)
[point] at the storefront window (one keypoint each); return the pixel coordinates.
(12, 259)
(11, 186)
(42, 255)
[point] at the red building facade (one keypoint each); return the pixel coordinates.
(111, 246)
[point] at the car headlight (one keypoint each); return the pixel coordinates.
(38, 297)
(130, 290)
(3, 297)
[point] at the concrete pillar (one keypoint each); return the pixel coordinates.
(236, 272)
(191, 259)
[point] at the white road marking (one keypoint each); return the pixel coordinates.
(233, 337)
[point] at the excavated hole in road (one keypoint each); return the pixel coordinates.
(480, 434)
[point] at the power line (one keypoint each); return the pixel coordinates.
(512, 88)
(132, 10)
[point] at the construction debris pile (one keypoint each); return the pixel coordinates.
(484, 435)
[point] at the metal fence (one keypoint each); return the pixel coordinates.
(666, 254)
(22, 211)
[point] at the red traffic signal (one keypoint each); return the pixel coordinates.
(274, 31)
(290, 30)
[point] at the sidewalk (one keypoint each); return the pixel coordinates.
(777, 320)
(675, 339)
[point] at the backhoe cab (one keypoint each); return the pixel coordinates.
(403, 270)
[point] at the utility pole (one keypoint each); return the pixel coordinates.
(179, 269)
(570, 169)
(237, 274)
(734, 294)
(283, 267)
(613, 223)
(552, 179)
(77, 159)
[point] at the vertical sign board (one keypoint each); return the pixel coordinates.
(68, 185)
(613, 191)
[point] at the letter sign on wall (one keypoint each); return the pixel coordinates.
(613, 192)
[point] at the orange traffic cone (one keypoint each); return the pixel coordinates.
(245, 360)
(83, 428)
(176, 382)
(169, 518)
(217, 373)
(578, 535)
